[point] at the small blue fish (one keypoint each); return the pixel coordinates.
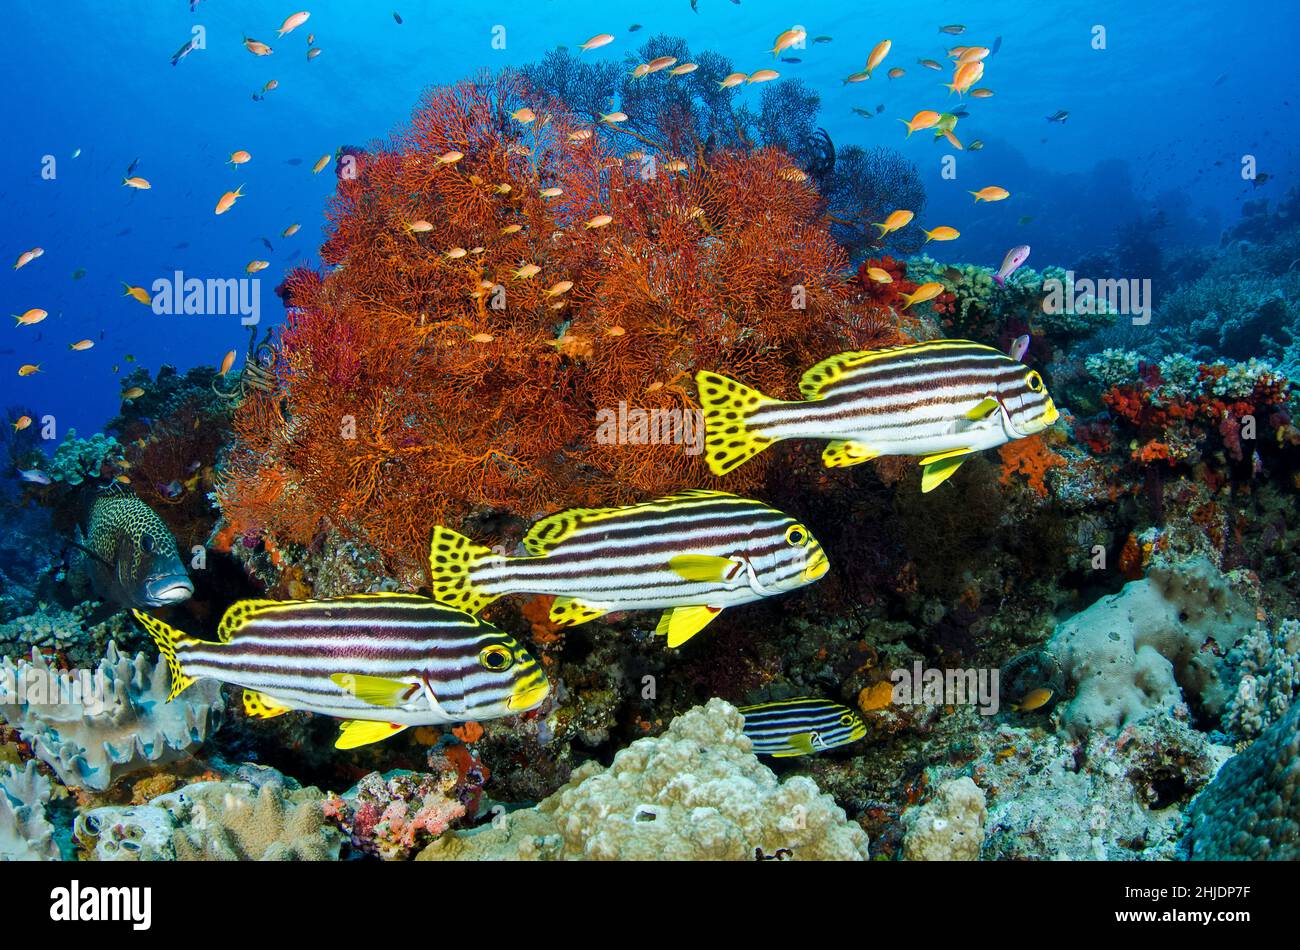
(34, 475)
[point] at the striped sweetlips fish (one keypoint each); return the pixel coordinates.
(801, 726)
(380, 662)
(689, 554)
(940, 400)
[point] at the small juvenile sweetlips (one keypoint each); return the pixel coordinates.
(691, 554)
(380, 662)
(801, 726)
(941, 400)
(129, 553)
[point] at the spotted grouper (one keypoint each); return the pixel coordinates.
(130, 554)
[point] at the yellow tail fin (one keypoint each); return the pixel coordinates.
(168, 639)
(730, 442)
(452, 560)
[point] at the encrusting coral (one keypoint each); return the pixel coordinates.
(696, 792)
(949, 827)
(93, 730)
(1152, 646)
(215, 821)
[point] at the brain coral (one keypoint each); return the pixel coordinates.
(90, 739)
(1148, 648)
(1252, 808)
(696, 792)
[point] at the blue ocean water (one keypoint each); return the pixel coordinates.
(1159, 121)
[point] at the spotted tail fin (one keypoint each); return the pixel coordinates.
(453, 560)
(169, 641)
(730, 440)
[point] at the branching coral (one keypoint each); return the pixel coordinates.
(441, 370)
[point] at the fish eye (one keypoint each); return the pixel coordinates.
(1034, 382)
(796, 535)
(846, 719)
(495, 658)
(146, 543)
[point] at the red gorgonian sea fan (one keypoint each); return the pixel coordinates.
(495, 283)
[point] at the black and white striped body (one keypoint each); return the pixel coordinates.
(915, 400)
(623, 558)
(800, 726)
(302, 654)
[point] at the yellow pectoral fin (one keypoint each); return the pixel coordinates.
(951, 453)
(354, 733)
(568, 610)
(682, 623)
(843, 453)
(986, 408)
(261, 706)
(702, 567)
(375, 690)
(936, 473)
(800, 743)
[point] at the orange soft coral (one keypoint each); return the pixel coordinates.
(1029, 457)
(432, 374)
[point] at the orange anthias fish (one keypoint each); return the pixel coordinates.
(292, 22)
(138, 183)
(227, 201)
(896, 220)
(320, 164)
(660, 62)
(239, 157)
(877, 55)
(763, 75)
(30, 317)
(257, 48)
(137, 293)
(255, 266)
(597, 41)
(81, 345)
(923, 293)
(290, 231)
(896, 72)
(991, 193)
(879, 275)
(22, 423)
(599, 221)
(791, 37)
(732, 79)
(226, 363)
(28, 369)
(26, 257)
(966, 76)
(941, 233)
(925, 119)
